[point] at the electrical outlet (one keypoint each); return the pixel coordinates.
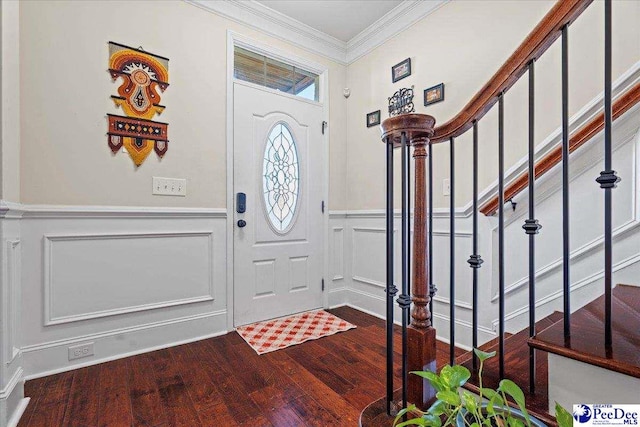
(169, 186)
(81, 350)
(446, 187)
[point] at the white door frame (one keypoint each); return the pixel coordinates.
(235, 39)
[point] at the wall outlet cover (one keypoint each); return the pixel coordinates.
(80, 351)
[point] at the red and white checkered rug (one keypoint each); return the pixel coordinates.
(272, 335)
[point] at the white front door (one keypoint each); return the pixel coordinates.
(278, 246)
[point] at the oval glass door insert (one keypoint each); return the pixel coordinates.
(281, 178)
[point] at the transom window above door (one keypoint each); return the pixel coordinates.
(269, 72)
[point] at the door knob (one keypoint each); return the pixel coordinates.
(242, 223)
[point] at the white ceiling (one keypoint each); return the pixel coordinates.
(342, 19)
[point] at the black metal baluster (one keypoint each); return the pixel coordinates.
(566, 285)
(452, 250)
(391, 287)
(475, 260)
(404, 300)
(432, 286)
(501, 231)
(607, 179)
(531, 227)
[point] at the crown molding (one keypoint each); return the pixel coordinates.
(394, 22)
(262, 18)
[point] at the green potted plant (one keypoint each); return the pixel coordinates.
(464, 409)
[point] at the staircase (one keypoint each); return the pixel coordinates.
(571, 336)
(586, 345)
(598, 373)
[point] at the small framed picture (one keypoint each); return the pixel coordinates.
(401, 70)
(434, 94)
(373, 118)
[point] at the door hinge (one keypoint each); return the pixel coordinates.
(322, 206)
(323, 284)
(324, 125)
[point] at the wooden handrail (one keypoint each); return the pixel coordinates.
(625, 102)
(536, 43)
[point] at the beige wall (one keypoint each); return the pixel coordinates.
(65, 91)
(10, 92)
(463, 44)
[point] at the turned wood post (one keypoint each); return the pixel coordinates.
(420, 316)
(421, 335)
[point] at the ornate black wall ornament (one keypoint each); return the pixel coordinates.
(401, 102)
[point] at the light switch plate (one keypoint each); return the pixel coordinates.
(169, 186)
(446, 187)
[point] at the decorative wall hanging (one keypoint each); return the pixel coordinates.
(142, 75)
(373, 118)
(434, 94)
(401, 70)
(401, 102)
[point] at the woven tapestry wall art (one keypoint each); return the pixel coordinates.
(144, 76)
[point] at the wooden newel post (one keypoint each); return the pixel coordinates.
(421, 336)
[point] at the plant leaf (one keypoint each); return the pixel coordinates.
(433, 378)
(459, 376)
(445, 377)
(512, 389)
(514, 422)
(482, 355)
(403, 411)
(492, 395)
(432, 420)
(469, 401)
(450, 397)
(563, 417)
(438, 408)
(413, 422)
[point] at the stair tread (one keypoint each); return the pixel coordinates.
(517, 368)
(587, 334)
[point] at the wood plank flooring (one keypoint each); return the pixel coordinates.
(223, 382)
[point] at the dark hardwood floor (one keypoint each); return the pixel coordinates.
(223, 382)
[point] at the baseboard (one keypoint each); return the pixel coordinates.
(338, 297)
(52, 357)
(12, 401)
(17, 414)
(375, 306)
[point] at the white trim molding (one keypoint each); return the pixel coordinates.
(50, 358)
(49, 240)
(259, 17)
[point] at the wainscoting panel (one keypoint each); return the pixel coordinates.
(91, 276)
(127, 280)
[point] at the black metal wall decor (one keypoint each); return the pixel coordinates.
(401, 102)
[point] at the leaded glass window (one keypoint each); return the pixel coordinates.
(281, 177)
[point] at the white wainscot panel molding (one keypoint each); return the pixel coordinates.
(337, 253)
(369, 255)
(10, 300)
(88, 276)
